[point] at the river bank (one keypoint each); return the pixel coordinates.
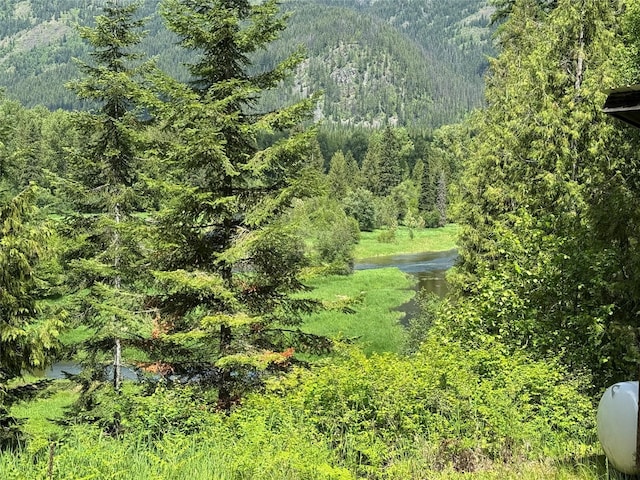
(428, 268)
(375, 321)
(386, 278)
(407, 241)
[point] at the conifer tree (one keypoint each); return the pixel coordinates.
(371, 167)
(27, 338)
(385, 164)
(227, 262)
(106, 247)
(441, 199)
(505, 7)
(353, 171)
(396, 148)
(315, 158)
(6, 120)
(337, 176)
(417, 172)
(427, 182)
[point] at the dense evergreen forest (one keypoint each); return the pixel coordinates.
(178, 219)
(377, 64)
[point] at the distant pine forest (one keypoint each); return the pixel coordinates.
(376, 64)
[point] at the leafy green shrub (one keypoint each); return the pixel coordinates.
(335, 245)
(463, 408)
(360, 204)
(387, 236)
(431, 219)
(443, 409)
(387, 212)
(412, 222)
(248, 444)
(329, 232)
(180, 409)
(271, 440)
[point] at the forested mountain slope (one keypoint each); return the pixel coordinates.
(454, 39)
(398, 62)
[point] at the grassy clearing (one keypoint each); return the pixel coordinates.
(40, 414)
(375, 325)
(425, 240)
(193, 462)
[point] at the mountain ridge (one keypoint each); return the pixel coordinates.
(397, 62)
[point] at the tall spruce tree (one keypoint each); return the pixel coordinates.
(228, 265)
(371, 167)
(339, 181)
(441, 199)
(427, 182)
(106, 247)
(352, 171)
(385, 164)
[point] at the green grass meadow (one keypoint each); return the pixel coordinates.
(375, 323)
(424, 240)
(40, 414)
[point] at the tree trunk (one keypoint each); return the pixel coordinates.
(117, 355)
(226, 334)
(224, 394)
(117, 363)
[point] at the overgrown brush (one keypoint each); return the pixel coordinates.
(441, 412)
(456, 409)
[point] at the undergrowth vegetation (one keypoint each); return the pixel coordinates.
(439, 413)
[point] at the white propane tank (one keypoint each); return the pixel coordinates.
(617, 423)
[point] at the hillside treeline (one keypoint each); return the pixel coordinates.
(377, 65)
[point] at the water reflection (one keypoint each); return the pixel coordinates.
(59, 369)
(429, 268)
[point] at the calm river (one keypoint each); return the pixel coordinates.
(429, 268)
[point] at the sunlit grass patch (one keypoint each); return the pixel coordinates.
(40, 415)
(375, 324)
(424, 240)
